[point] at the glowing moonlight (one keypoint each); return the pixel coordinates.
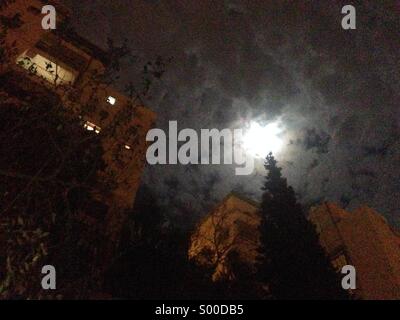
(260, 140)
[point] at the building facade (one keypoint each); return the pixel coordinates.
(361, 238)
(62, 63)
(228, 234)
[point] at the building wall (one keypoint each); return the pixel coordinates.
(31, 30)
(361, 238)
(232, 227)
(122, 126)
(364, 239)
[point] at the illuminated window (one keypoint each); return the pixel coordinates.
(43, 67)
(91, 127)
(111, 100)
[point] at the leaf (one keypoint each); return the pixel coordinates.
(35, 258)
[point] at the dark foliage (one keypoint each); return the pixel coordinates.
(153, 261)
(294, 264)
(48, 169)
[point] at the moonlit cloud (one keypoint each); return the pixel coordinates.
(335, 92)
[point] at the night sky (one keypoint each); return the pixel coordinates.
(335, 93)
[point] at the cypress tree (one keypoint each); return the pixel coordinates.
(293, 263)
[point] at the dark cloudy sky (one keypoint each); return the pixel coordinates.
(335, 92)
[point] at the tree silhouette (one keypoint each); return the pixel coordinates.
(293, 264)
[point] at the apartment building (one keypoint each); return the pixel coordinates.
(361, 238)
(61, 63)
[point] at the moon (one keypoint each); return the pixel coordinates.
(259, 140)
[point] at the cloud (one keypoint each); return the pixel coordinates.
(336, 91)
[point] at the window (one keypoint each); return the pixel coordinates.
(43, 67)
(111, 100)
(91, 127)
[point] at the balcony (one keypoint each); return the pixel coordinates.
(48, 70)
